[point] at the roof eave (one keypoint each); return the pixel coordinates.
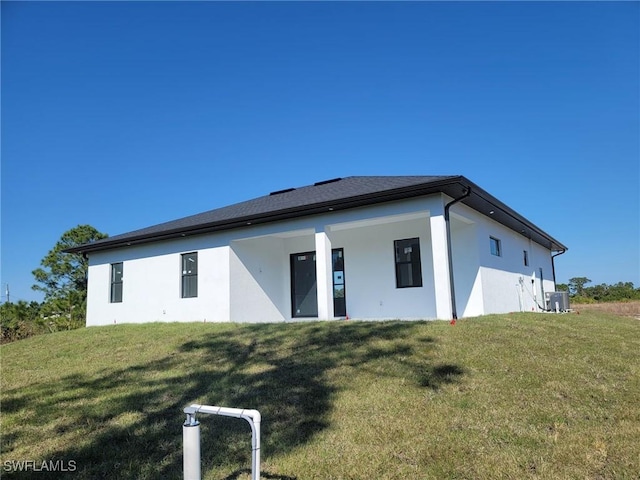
(488, 205)
(284, 214)
(479, 200)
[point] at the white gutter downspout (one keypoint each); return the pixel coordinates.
(191, 437)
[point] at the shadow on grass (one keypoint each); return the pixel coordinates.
(438, 375)
(267, 476)
(126, 422)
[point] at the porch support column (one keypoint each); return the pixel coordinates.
(440, 254)
(324, 275)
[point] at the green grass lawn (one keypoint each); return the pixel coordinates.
(504, 396)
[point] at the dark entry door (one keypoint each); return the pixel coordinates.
(304, 287)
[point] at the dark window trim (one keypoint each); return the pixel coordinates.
(526, 258)
(498, 244)
(186, 274)
(114, 291)
(343, 284)
(415, 262)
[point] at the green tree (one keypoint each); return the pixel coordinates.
(62, 277)
(576, 285)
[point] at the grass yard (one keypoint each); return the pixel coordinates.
(517, 396)
(627, 309)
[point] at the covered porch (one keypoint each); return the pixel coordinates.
(342, 265)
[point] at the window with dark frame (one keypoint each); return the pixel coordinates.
(339, 300)
(408, 266)
(526, 258)
(496, 247)
(116, 282)
(190, 275)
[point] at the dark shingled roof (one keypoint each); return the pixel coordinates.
(335, 194)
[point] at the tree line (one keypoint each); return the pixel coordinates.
(579, 293)
(62, 277)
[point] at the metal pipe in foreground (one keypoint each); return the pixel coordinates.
(191, 437)
(191, 448)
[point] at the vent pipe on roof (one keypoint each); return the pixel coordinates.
(278, 192)
(465, 193)
(324, 182)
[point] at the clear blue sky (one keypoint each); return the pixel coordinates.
(126, 114)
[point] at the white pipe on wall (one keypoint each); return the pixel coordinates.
(251, 416)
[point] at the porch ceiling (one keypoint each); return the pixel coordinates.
(368, 222)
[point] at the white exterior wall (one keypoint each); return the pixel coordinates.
(152, 284)
(258, 280)
(500, 277)
(370, 279)
(244, 274)
(466, 266)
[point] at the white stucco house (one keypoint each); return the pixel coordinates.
(406, 247)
